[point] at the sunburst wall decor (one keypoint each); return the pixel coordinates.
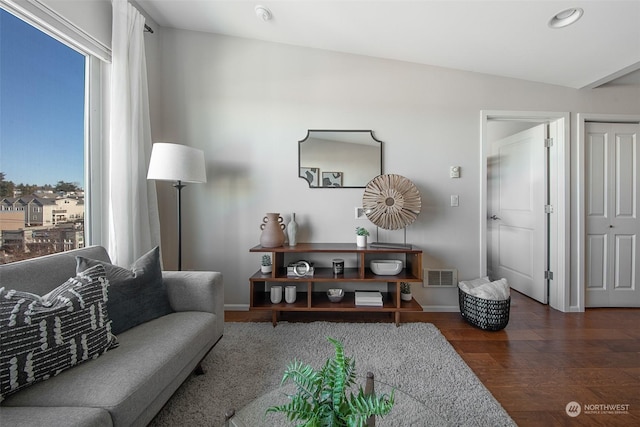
(391, 201)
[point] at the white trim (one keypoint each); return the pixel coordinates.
(583, 118)
(93, 136)
(57, 26)
(559, 296)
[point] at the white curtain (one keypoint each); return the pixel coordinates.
(134, 226)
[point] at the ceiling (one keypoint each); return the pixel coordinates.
(503, 38)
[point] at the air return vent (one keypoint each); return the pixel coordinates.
(440, 277)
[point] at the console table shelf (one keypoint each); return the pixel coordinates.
(310, 299)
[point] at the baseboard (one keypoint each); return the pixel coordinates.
(236, 307)
(441, 308)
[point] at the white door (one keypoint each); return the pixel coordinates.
(517, 224)
(612, 179)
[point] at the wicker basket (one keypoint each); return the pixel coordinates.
(486, 314)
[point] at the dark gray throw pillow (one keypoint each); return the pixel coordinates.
(135, 296)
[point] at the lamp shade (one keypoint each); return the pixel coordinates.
(176, 162)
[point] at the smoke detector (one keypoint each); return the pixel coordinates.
(263, 13)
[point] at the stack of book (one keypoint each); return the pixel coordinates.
(368, 298)
(301, 270)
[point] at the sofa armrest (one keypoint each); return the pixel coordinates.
(195, 291)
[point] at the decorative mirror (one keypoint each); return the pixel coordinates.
(339, 158)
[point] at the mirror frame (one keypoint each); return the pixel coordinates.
(367, 131)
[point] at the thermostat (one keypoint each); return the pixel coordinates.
(454, 171)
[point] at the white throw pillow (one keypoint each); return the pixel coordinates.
(497, 290)
(467, 285)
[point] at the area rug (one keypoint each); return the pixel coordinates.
(433, 384)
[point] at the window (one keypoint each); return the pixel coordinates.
(47, 91)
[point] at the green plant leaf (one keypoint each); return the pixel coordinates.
(321, 399)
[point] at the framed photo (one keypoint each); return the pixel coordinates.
(312, 175)
(332, 179)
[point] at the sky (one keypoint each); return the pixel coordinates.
(41, 106)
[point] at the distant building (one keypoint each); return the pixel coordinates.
(45, 211)
(38, 241)
(32, 226)
(10, 220)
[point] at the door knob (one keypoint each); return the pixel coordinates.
(495, 217)
(611, 226)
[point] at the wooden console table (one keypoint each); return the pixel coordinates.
(312, 298)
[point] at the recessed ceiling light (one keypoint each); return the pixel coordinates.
(263, 13)
(566, 17)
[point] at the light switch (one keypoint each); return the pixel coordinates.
(454, 200)
(454, 171)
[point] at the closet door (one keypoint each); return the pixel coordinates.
(612, 182)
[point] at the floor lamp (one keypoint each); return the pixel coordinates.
(178, 163)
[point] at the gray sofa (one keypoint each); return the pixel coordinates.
(127, 385)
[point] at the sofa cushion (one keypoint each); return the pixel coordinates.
(42, 336)
(136, 379)
(31, 416)
(41, 275)
(135, 296)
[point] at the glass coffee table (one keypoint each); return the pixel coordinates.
(407, 410)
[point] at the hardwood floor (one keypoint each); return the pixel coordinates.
(543, 360)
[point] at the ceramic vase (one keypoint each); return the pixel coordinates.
(276, 294)
(292, 230)
(272, 231)
(290, 294)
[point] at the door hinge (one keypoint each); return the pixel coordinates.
(548, 275)
(548, 209)
(548, 142)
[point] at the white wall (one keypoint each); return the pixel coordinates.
(247, 103)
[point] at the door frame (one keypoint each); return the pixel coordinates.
(559, 184)
(581, 218)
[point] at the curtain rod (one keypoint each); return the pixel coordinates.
(148, 29)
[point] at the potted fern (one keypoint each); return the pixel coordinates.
(361, 237)
(321, 399)
(266, 266)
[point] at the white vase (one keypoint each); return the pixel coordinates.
(276, 294)
(290, 294)
(266, 269)
(361, 241)
(406, 297)
(292, 230)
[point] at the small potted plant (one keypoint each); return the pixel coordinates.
(323, 397)
(266, 264)
(361, 237)
(405, 291)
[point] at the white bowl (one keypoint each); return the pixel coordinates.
(335, 295)
(386, 267)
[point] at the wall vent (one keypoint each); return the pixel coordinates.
(440, 277)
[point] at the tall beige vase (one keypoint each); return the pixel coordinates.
(272, 231)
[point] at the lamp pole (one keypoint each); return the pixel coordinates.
(179, 186)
